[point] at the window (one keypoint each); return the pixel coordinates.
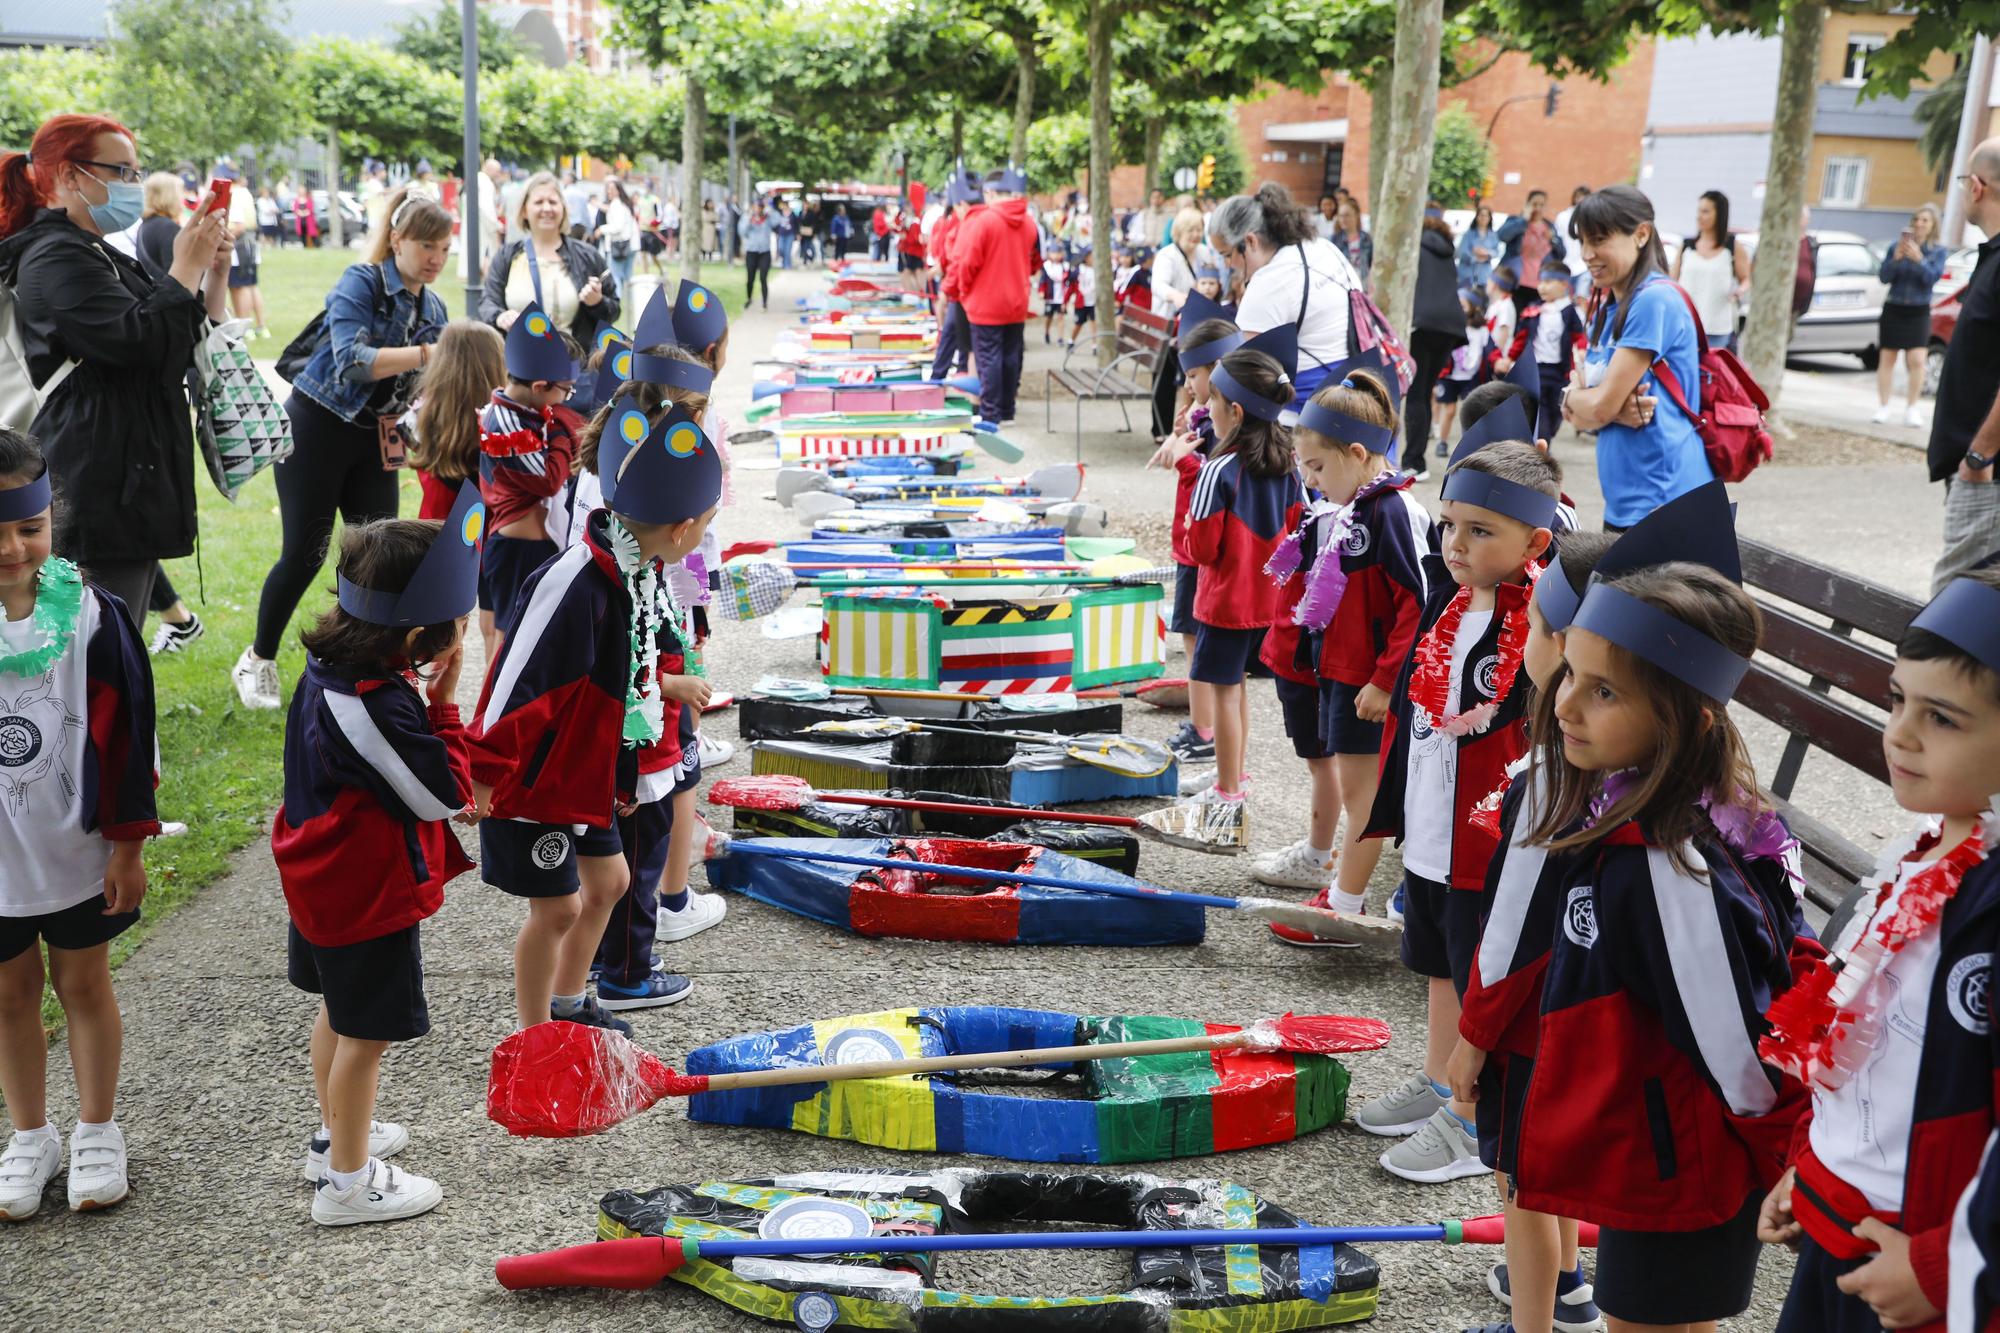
(1844, 182)
(1336, 158)
(1860, 45)
(1843, 259)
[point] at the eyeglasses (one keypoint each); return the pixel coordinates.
(130, 175)
(1974, 176)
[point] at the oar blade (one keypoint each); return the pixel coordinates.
(998, 445)
(770, 791)
(564, 1080)
(1325, 1034)
(1122, 755)
(867, 728)
(1215, 827)
(1349, 928)
(632, 1263)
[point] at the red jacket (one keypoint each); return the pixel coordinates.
(940, 253)
(995, 252)
(1185, 472)
(1234, 523)
(1376, 620)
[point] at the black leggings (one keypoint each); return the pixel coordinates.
(756, 263)
(1430, 350)
(335, 465)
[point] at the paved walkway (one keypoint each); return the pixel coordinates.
(217, 1097)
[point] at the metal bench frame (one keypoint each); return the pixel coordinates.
(1142, 338)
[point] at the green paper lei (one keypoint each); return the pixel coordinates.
(645, 719)
(58, 608)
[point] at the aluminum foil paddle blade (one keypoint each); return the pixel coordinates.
(1216, 827)
(1351, 928)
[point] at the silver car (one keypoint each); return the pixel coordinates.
(1846, 311)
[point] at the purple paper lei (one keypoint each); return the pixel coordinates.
(1755, 833)
(1326, 581)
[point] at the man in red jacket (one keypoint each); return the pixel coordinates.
(961, 196)
(994, 253)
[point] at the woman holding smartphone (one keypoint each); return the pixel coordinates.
(1911, 268)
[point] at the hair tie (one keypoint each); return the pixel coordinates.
(1347, 384)
(396, 219)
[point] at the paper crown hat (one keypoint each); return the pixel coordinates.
(1281, 344)
(1967, 615)
(1508, 421)
(446, 584)
(1644, 630)
(535, 348)
(1375, 363)
(1010, 179)
(962, 187)
(664, 473)
(1527, 375)
(1208, 273)
(26, 501)
(1198, 309)
(671, 372)
(696, 319)
(1338, 426)
(612, 370)
(1699, 525)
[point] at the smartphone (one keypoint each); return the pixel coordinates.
(1906, 237)
(218, 196)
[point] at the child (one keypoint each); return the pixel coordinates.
(1052, 284)
(466, 369)
(373, 770)
(1080, 294)
(1554, 329)
(1455, 725)
(1206, 335)
(1246, 498)
(1462, 374)
(1501, 313)
(1133, 281)
(1903, 1086)
(1676, 926)
(574, 698)
(1356, 601)
(524, 458)
(76, 805)
(1207, 284)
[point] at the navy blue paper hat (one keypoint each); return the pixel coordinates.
(665, 473)
(1526, 374)
(1010, 179)
(1375, 363)
(24, 502)
(1210, 273)
(670, 372)
(1699, 526)
(612, 371)
(1281, 344)
(446, 584)
(1966, 615)
(963, 188)
(535, 349)
(695, 319)
(1341, 428)
(1198, 309)
(1508, 421)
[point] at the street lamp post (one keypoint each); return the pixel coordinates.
(468, 231)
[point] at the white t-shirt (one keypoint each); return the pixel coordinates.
(1275, 291)
(1428, 804)
(1549, 332)
(1572, 248)
(1500, 317)
(48, 861)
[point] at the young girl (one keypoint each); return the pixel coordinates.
(1080, 294)
(1052, 285)
(76, 805)
(1677, 922)
(374, 769)
(1246, 498)
(1357, 592)
(466, 368)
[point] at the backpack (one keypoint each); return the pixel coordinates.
(1730, 419)
(301, 348)
(21, 398)
(1367, 328)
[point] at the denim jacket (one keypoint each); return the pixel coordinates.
(359, 322)
(1910, 282)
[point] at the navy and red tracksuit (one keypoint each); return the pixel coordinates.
(1235, 521)
(372, 775)
(525, 456)
(1553, 376)
(1974, 1278)
(1954, 1115)
(1648, 1109)
(954, 345)
(1134, 287)
(1375, 622)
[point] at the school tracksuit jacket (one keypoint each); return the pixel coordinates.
(525, 454)
(1235, 522)
(1975, 1250)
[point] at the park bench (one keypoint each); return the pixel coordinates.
(1833, 658)
(1143, 337)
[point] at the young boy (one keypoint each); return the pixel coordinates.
(1501, 314)
(1132, 281)
(1903, 1084)
(569, 704)
(1052, 285)
(1554, 330)
(1454, 726)
(1081, 296)
(525, 455)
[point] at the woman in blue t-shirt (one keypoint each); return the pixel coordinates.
(1647, 449)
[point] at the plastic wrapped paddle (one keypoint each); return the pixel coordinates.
(1126, 756)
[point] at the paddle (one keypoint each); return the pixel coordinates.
(635, 1263)
(1124, 755)
(565, 1080)
(772, 388)
(1323, 922)
(1220, 830)
(1156, 574)
(754, 588)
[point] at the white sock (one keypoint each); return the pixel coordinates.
(1352, 903)
(112, 1123)
(46, 1132)
(1323, 855)
(568, 1004)
(343, 1181)
(324, 1132)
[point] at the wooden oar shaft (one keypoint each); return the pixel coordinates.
(935, 1064)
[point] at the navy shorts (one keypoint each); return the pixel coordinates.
(1451, 391)
(1300, 705)
(1341, 728)
(1440, 929)
(1084, 314)
(1815, 1305)
(1681, 1277)
(374, 990)
(1503, 1088)
(1183, 619)
(504, 566)
(539, 860)
(83, 926)
(1224, 656)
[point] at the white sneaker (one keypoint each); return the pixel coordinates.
(383, 1194)
(1882, 414)
(386, 1138)
(96, 1167)
(1404, 1109)
(1201, 780)
(1293, 867)
(1442, 1150)
(714, 751)
(256, 681)
(1913, 416)
(26, 1169)
(702, 911)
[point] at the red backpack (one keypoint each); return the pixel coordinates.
(1730, 419)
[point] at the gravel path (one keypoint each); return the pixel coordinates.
(217, 1096)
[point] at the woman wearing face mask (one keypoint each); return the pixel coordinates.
(108, 347)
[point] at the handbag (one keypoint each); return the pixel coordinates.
(242, 427)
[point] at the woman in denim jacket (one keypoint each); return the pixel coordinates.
(1911, 268)
(381, 318)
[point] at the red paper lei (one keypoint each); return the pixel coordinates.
(1824, 1026)
(1430, 684)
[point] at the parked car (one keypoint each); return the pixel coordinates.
(1944, 322)
(1846, 312)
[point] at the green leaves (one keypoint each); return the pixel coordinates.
(383, 104)
(1461, 157)
(437, 40)
(195, 81)
(36, 84)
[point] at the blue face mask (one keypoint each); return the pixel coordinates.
(121, 208)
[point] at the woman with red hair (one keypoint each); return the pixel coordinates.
(108, 348)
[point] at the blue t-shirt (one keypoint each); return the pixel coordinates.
(1640, 469)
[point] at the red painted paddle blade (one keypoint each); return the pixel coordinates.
(631, 1264)
(1491, 1229)
(564, 1080)
(1328, 1034)
(771, 791)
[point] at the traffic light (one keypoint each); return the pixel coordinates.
(1205, 176)
(1555, 96)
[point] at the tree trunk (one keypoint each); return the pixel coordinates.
(1770, 325)
(1156, 130)
(336, 231)
(957, 137)
(694, 127)
(1103, 21)
(1379, 98)
(1407, 173)
(1024, 99)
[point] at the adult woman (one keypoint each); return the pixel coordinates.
(620, 234)
(1437, 326)
(1174, 265)
(109, 346)
(1716, 271)
(154, 246)
(1356, 244)
(1911, 269)
(544, 263)
(306, 220)
(1477, 250)
(381, 318)
(710, 233)
(1645, 457)
(1290, 276)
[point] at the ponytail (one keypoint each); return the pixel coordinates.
(1363, 397)
(1264, 446)
(28, 180)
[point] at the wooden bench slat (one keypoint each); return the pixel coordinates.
(1831, 726)
(1832, 864)
(1847, 665)
(1871, 607)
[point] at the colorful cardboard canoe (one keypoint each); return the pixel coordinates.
(1130, 1109)
(923, 905)
(987, 767)
(1113, 847)
(972, 644)
(1190, 1289)
(850, 554)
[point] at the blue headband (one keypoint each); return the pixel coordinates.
(1679, 649)
(1471, 486)
(1336, 425)
(1556, 598)
(671, 372)
(1256, 404)
(1194, 358)
(25, 501)
(1967, 615)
